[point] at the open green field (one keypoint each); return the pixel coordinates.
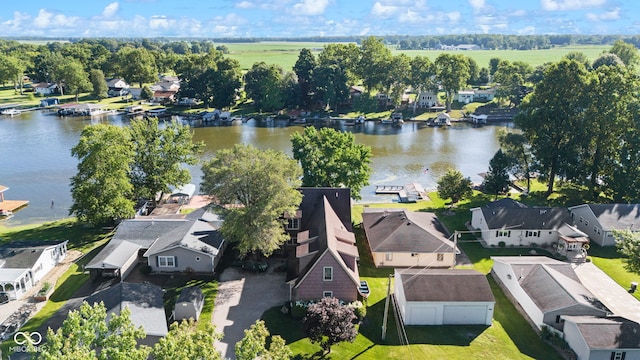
(285, 54)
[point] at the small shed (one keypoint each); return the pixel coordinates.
(49, 102)
(189, 304)
(183, 194)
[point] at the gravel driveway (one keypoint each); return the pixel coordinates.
(242, 299)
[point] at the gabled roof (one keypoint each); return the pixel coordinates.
(199, 233)
(616, 216)
(339, 199)
(551, 284)
(328, 237)
(113, 82)
(405, 231)
(114, 255)
(191, 294)
(145, 232)
(143, 299)
(445, 285)
(537, 218)
(612, 332)
(24, 255)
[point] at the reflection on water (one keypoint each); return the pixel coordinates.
(37, 162)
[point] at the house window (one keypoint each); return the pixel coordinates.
(327, 294)
(586, 223)
(503, 233)
(293, 224)
(166, 261)
(327, 273)
(581, 219)
(440, 257)
(618, 355)
(197, 258)
(533, 233)
(388, 256)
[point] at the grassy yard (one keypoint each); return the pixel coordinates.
(612, 263)
(510, 336)
(209, 289)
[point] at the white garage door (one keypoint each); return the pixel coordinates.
(464, 315)
(421, 315)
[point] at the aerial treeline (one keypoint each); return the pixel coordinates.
(581, 125)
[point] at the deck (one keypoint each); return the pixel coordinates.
(389, 189)
(409, 193)
(13, 205)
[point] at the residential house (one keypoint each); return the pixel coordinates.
(476, 95)
(508, 222)
(545, 289)
(164, 97)
(117, 87)
(45, 88)
(144, 301)
(195, 246)
(594, 338)
(324, 260)
(443, 297)
(599, 221)
(402, 238)
(191, 243)
(24, 264)
(164, 91)
(136, 93)
(182, 194)
(465, 96)
(49, 102)
(384, 100)
(467, 47)
(189, 304)
(427, 99)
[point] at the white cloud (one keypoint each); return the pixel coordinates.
(310, 7)
(454, 16)
(518, 13)
(527, 30)
(384, 11)
(245, 5)
(18, 19)
(46, 19)
(111, 9)
(476, 4)
(606, 16)
(561, 5)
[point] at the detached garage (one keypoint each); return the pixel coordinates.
(443, 297)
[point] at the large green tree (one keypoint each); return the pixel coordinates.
(516, 148)
(304, 69)
(136, 65)
(71, 75)
(453, 185)
(497, 179)
(254, 345)
(98, 83)
(452, 72)
(263, 86)
(374, 60)
(509, 82)
(12, 69)
(628, 244)
(159, 155)
(552, 119)
(330, 85)
(332, 158)
(87, 335)
(260, 186)
(186, 342)
(101, 189)
(627, 52)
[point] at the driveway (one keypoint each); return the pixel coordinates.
(242, 299)
(612, 295)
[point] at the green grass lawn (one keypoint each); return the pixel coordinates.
(207, 284)
(509, 337)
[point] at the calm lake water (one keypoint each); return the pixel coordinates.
(36, 164)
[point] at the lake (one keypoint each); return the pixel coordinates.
(37, 162)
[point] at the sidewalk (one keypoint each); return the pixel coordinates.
(612, 295)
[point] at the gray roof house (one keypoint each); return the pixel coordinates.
(144, 300)
(602, 338)
(599, 220)
(402, 238)
(513, 223)
(195, 246)
(189, 304)
(190, 243)
(444, 297)
(545, 288)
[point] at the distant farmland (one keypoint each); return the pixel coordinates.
(285, 54)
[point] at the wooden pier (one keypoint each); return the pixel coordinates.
(409, 193)
(7, 207)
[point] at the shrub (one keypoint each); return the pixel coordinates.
(146, 270)
(359, 309)
(46, 286)
(298, 310)
(502, 244)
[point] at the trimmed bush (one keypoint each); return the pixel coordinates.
(502, 244)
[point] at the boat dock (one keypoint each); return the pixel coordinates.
(7, 207)
(409, 193)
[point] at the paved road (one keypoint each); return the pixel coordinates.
(242, 299)
(612, 295)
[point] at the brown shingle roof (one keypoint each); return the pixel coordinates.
(445, 285)
(608, 333)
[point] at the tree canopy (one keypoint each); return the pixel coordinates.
(186, 342)
(260, 186)
(497, 178)
(452, 72)
(254, 345)
(331, 158)
(101, 189)
(328, 322)
(453, 185)
(628, 244)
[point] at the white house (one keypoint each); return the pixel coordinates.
(513, 223)
(599, 220)
(443, 297)
(465, 96)
(45, 89)
(427, 99)
(546, 289)
(23, 265)
(596, 338)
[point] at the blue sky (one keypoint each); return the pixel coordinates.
(301, 18)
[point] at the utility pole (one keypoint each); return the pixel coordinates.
(386, 310)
